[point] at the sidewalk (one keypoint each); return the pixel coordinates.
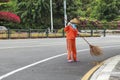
(110, 70)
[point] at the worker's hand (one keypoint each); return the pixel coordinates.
(79, 34)
(69, 23)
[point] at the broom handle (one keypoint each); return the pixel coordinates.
(86, 41)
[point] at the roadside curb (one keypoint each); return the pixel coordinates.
(102, 70)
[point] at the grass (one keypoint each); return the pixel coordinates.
(40, 35)
(89, 35)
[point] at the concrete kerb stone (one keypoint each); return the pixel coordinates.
(104, 72)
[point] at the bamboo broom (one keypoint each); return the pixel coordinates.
(94, 50)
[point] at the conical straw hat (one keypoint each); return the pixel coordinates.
(75, 21)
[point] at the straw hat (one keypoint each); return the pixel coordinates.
(75, 21)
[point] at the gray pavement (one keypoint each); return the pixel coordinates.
(15, 55)
(110, 70)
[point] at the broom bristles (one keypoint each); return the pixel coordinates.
(95, 50)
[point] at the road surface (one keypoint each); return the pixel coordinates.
(45, 59)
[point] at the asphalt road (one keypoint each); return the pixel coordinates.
(45, 59)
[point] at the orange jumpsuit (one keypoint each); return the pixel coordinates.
(71, 34)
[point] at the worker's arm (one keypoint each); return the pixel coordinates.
(67, 27)
(79, 34)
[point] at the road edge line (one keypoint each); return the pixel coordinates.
(91, 71)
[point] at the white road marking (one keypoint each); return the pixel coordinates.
(33, 64)
(28, 46)
(44, 60)
(47, 44)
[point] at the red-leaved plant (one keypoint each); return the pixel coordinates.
(8, 16)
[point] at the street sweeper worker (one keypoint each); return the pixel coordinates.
(71, 34)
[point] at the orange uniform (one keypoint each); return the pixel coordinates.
(71, 34)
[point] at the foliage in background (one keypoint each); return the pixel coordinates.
(105, 9)
(36, 13)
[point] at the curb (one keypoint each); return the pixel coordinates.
(103, 70)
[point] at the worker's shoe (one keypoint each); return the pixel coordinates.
(70, 61)
(76, 61)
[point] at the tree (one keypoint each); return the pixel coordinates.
(105, 9)
(33, 12)
(42, 13)
(73, 10)
(36, 13)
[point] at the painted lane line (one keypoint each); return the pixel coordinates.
(110, 46)
(33, 64)
(41, 61)
(46, 45)
(90, 72)
(28, 46)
